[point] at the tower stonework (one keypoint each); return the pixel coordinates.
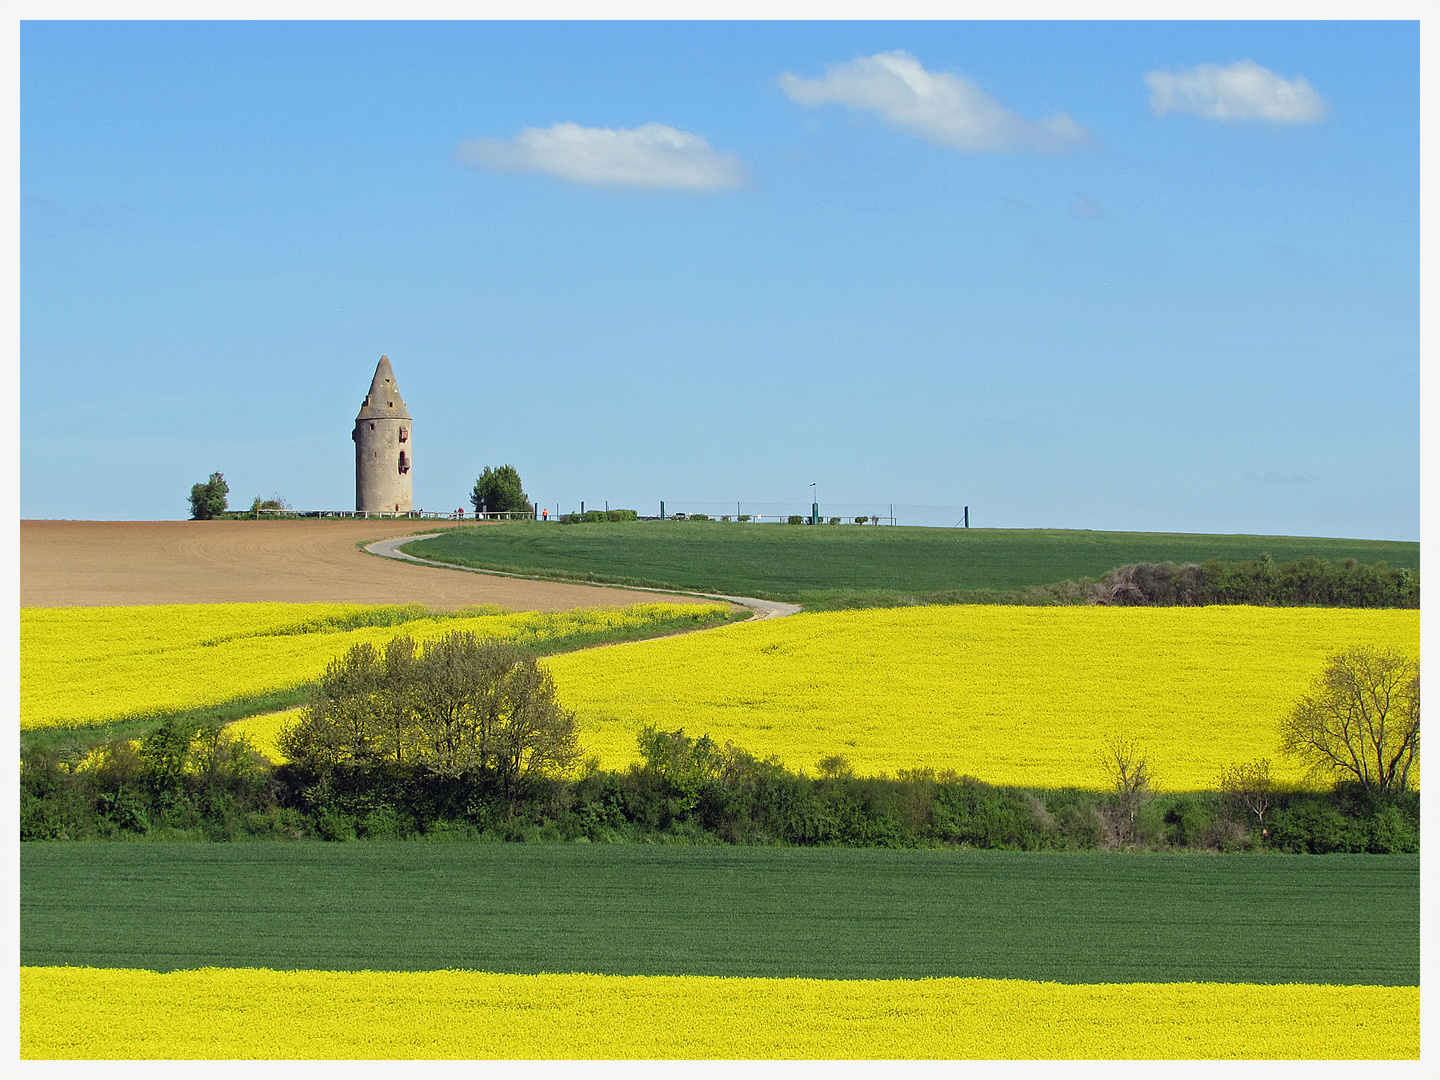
(384, 447)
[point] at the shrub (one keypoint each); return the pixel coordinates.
(834, 521)
(861, 520)
(1313, 825)
(1391, 832)
(260, 504)
(742, 517)
(795, 519)
(1192, 821)
(699, 517)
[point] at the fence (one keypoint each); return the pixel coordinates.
(835, 513)
(830, 519)
(423, 515)
(847, 513)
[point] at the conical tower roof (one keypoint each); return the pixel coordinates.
(384, 399)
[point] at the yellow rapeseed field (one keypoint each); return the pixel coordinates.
(1013, 695)
(90, 665)
(263, 731)
(230, 1013)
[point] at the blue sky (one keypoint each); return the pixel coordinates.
(1085, 275)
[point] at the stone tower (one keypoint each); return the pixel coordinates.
(384, 447)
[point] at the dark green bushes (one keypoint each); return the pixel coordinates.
(193, 783)
(599, 515)
(184, 779)
(1306, 582)
(1347, 820)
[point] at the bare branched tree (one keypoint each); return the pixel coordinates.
(1134, 784)
(1249, 789)
(1360, 721)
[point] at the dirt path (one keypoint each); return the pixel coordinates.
(93, 563)
(761, 609)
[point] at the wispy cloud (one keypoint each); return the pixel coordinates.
(1279, 478)
(652, 156)
(942, 107)
(1242, 91)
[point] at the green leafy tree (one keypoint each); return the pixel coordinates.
(208, 500)
(454, 706)
(499, 491)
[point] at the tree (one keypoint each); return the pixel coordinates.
(454, 706)
(1134, 784)
(1360, 721)
(207, 500)
(499, 491)
(1249, 789)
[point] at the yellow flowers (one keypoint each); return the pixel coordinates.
(263, 731)
(1013, 695)
(90, 665)
(229, 1013)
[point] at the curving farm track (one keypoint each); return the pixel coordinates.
(93, 563)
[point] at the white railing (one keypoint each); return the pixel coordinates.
(423, 515)
(782, 518)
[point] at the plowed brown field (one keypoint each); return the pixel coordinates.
(92, 563)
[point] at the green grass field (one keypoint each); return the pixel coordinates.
(791, 561)
(825, 913)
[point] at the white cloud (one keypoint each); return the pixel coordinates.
(650, 156)
(943, 108)
(1242, 91)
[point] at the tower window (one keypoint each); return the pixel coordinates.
(372, 427)
(404, 462)
(404, 434)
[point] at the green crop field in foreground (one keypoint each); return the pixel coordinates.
(787, 561)
(622, 910)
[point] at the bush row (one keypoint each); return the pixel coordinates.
(1306, 582)
(598, 515)
(188, 781)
